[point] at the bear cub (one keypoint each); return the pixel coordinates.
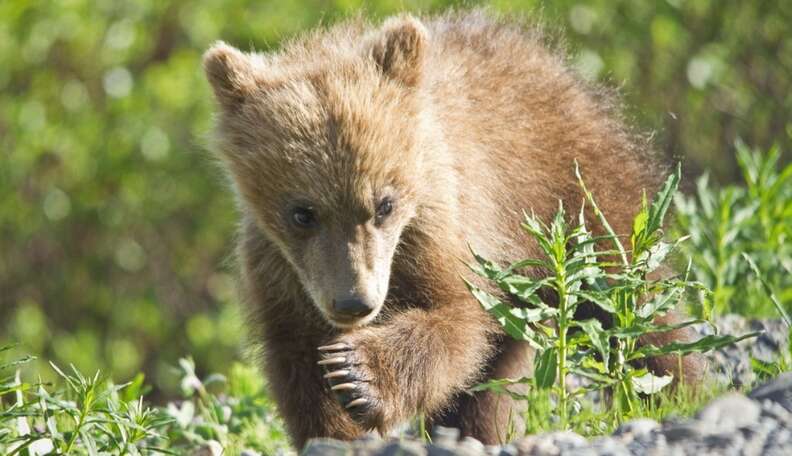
(365, 160)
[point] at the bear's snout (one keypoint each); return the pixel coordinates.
(352, 307)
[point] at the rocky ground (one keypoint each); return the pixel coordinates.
(757, 424)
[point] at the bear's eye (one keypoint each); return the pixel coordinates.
(303, 217)
(384, 208)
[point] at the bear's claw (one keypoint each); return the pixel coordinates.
(334, 347)
(334, 360)
(347, 376)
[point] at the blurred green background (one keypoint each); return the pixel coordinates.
(116, 228)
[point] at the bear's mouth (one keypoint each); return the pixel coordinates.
(347, 322)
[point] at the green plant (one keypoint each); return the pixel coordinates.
(573, 271)
(725, 223)
(90, 415)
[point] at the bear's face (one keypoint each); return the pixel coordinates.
(327, 160)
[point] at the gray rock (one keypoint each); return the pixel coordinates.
(728, 413)
(445, 436)
(403, 448)
(509, 450)
(727, 442)
(778, 390)
(636, 428)
(471, 446)
(367, 445)
(567, 440)
(437, 450)
(774, 411)
(682, 431)
(608, 446)
(326, 447)
(536, 445)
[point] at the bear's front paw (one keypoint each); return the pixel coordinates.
(352, 382)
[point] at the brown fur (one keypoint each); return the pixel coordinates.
(469, 120)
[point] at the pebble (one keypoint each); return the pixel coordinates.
(778, 391)
(728, 413)
(327, 447)
(404, 448)
(636, 428)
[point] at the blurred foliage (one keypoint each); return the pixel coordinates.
(727, 223)
(115, 227)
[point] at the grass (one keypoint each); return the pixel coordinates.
(726, 223)
(736, 259)
(89, 415)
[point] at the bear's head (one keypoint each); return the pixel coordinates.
(324, 142)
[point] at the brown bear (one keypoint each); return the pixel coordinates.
(366, 160)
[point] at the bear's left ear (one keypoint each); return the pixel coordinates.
(230, 73)
(398, 49)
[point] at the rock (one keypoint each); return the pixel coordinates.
(608, 446)
(509, 450)
(778, 390)
(728, 413)
(403, 448)
(437, 450)
(367, 445)
(445, 436)
(682, 431)
(326, 447)
(550, 444)
(566, 440)
(774, 411)
(724, 443)
(471, 446)
(635, 428)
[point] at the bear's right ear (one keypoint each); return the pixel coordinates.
(399, 47)
(230, 73)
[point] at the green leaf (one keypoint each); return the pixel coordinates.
(641, 328)
(602, 379)
(521, 286)
(650, 384)
(532, 315)
(514, 326)
(545, 367)
(501, 386)
(703, 345)
(662, 201)
(640, 223)
(659, 304)
(769, 290)
(765, 370)
(601, 299)
(597, 337)
(484, 267)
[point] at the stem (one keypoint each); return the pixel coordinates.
(562, 339)
(601, 216)
(562, 393)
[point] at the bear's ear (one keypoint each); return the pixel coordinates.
(230, 73)
(398, 49)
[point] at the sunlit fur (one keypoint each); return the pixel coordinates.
(465, 120)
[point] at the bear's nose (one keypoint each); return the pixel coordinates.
(352, 307)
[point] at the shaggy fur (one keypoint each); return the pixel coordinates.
(465, 121)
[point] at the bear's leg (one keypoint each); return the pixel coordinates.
(494, 418)
(297, 385)
(415, 362)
